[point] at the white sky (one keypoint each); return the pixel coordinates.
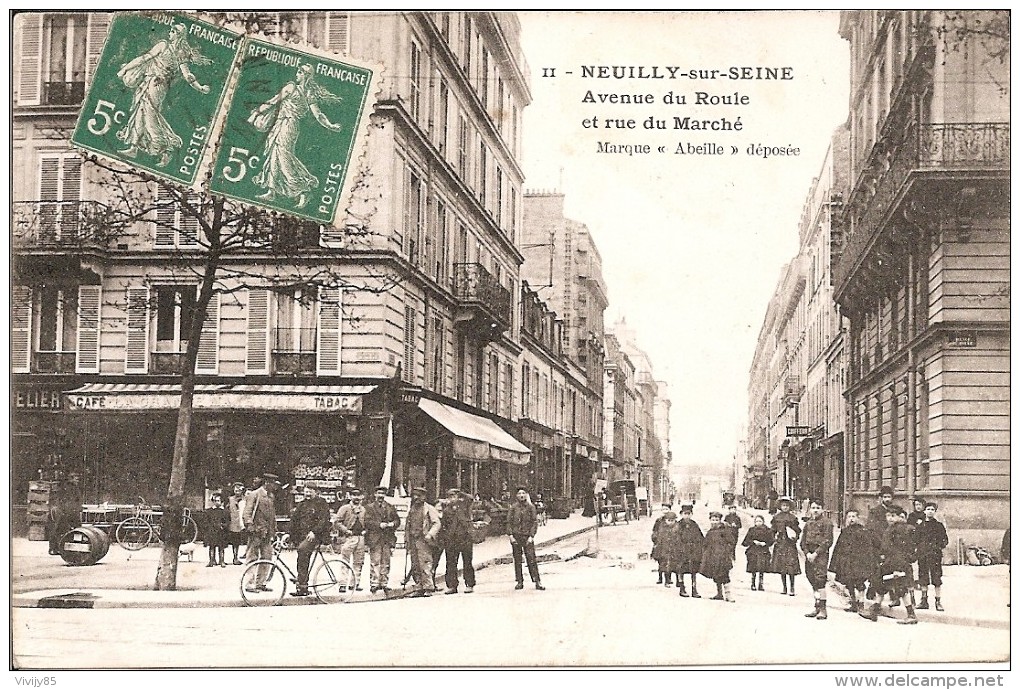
(691, 246)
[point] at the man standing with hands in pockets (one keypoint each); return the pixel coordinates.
(381, 522)
(522, 524)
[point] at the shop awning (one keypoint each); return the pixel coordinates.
(476, 438)
(140, 397)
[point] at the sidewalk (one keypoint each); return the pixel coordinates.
(972, 595)
(123, 579)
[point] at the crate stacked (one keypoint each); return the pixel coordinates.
(41, 496)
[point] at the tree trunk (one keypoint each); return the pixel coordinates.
(173, 511)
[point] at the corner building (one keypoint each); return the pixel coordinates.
(418, 352)
(922, 267)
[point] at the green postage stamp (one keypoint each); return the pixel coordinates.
(290, 132)
(157, 92)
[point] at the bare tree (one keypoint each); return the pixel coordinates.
(231, 247)
(986, 32)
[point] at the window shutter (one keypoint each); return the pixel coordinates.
(21, 329)
(99, 25)
(409, 344)
(70, 190)
(136, 358)
(257, 357)
(89, 306)
(209, 339)
(327, 351)
(165, 214)
(337, 30)
(187, 223)
(331, 237)
(30, 33)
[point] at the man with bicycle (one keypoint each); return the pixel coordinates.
(309, 527)
(260, 521)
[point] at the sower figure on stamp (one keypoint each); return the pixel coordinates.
(423, 525)
(522, 525)
(815, 542)
(855, 559)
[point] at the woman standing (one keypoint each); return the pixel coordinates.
(758, 540)
(785, 559)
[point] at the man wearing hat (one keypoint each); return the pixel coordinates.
(381, 522)
(456, 538)
(877, 513)
(235, 528)
(931, 539)
(423, 525)
(522, 526)
(309, 527)
(897, 551)
(815, 542)
(260, 522)
(350, 524)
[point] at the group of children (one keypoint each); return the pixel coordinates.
(871, 561)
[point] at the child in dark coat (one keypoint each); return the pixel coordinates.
(658, 553)
(758, 540)
(217, 521)
(896, 553)
(854, 558)
(785, 559)
(733, 521)
(717, 556)
(691, 544)
(931, 538)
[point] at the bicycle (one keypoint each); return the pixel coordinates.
(143, 527)
(332, 579)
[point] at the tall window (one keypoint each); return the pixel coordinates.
(295, 321)
(499, 198)
(465, 45)
(492, 389)
(410, 345)
(64, 41)
(482, 173)
(175, 310)
(413, 212)
(442, 109)
(462, 148)
(894, 434)
(59, 193)
(58, 309)
(415, 81)
(436, 347)
(923, 438)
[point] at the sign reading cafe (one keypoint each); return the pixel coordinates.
(173, 95)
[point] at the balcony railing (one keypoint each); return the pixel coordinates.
(167, 363)
(475, 286)
(42, 224)
(54, 362)
(943, 148)
(63, 92)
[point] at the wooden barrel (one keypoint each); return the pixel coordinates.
(84, 546)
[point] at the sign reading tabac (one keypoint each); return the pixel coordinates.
(290, 131)
(157, 92)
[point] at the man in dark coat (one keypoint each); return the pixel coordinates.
(855, 558)
(309, 527)
(733, 521)
(931, 540)
(522, 526)
(381, 522)
(691, 543)
(421, 534)
(876, 516)
(64, 514)
(815, 542)
(657, 554)
(456, 538)
(259, 520)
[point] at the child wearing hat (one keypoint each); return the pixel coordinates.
(855, 558)
(717, 556)
(931, 539)
(665, 547)
(895, 554)
(758, 540)
(785, 559)
(690, 547)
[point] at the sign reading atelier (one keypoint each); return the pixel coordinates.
(157, 92)
(290, 130)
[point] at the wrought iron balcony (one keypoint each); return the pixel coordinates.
(57, 224)
(485, 305)
(63, 92)
(166, 363)
(293, 351)
(925, 150)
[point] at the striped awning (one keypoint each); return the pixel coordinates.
(476, 438)
(140, 397)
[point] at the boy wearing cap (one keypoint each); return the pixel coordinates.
(522, 526)
(691, 542)
(350, 524)
(717, 557)
(894, 577)
(815, 541)
(657, 553)
(931, 539)
(381, 522)
(423, 525)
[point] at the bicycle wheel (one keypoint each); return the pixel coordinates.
(272, 589)
(331, 581)
(189, 531)
(133, 533)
